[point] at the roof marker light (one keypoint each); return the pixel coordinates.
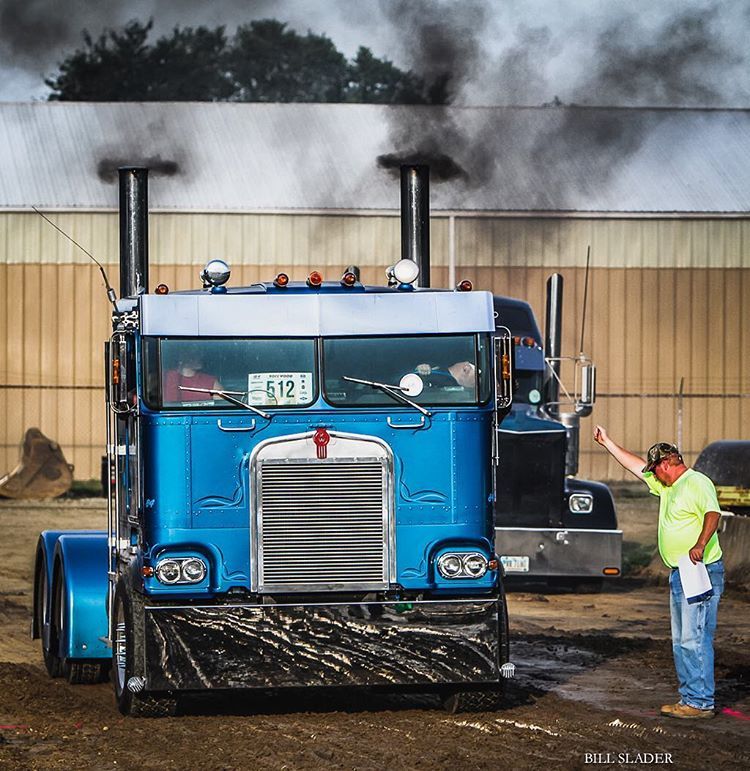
(529, 342)
(465, 286)
(281, 280)
(315, 279)
(348, 279)
(162, 289)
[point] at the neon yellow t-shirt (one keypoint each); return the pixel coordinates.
(682, 509)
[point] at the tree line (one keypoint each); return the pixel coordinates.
(262, 62)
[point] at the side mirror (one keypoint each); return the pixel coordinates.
(503, 369)
(585, 401)
(119, 373)
(588, 385)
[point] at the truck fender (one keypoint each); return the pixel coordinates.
(43, 566)
(79, 595)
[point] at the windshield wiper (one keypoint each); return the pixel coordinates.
(392, 390)
(229, 397)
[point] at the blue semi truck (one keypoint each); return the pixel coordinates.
(301, 492)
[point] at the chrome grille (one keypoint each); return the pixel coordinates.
(323, 525)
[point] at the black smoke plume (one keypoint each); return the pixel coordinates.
(681, 62)
(106, 169)
(440, 44)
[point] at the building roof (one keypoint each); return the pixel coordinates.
(287, 157)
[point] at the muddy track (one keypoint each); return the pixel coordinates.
(592, 671)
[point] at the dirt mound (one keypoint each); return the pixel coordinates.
(42, 471)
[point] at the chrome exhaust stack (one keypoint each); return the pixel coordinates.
(133, 231)
(415, 219)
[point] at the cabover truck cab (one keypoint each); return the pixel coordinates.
(549, 523)
(293, 504)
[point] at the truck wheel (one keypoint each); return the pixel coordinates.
(128, 649)
(49, 652)
(473, 701)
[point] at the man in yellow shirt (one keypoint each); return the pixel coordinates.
(688, 519)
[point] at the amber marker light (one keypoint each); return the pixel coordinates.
(162, 289)
(348, 279)
(529, 342)
(147, 571)
(506, 366)
(493, 565)
(315, 279)
(611, 571)
(281, 280)
(465, 286)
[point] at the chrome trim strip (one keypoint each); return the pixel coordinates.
(541, 431)
(478, 600)
(406, 425)
(560, 530)
(251, 427)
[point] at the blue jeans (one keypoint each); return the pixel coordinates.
(693, 629)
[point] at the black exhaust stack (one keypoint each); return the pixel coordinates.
(553, 343)
(133, 231)
(415, 219)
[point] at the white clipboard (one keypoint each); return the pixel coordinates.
(694, 578)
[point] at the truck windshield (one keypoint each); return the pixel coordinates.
(455, 369)
(180, 373)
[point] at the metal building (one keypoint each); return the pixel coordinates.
(661, 196)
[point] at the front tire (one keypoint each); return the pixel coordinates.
(128, 656)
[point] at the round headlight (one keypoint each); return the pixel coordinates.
(449, 566)
(168, 572)
(193, 570)
(475, 565)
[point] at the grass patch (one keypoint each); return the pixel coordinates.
(85, 488)
(636, 556)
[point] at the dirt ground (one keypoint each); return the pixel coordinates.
(592, 671)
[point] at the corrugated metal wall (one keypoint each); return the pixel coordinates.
(668, 301)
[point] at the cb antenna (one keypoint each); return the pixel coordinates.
(585, 297)
(111, 296)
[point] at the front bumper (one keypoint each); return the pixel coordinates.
(371, 644)
(558, 551)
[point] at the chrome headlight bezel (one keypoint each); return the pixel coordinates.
(182, 578)
(194, 562)
(168, 565)
(581, 503)
(477, 561)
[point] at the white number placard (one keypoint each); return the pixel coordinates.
(273, 389)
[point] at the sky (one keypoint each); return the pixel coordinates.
(684, 53)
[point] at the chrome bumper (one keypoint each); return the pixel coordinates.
(371, 644)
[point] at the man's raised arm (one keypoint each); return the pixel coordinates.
(628, 460)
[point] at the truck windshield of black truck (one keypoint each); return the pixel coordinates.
(180, 373)
(455, 369)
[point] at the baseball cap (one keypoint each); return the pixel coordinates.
(658, 452)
